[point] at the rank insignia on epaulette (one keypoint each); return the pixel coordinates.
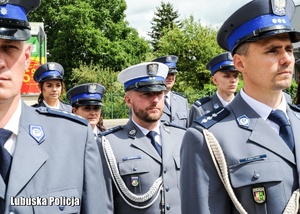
(37, 133)
(212, 117)
(259, 194)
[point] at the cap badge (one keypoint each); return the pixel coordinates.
(259, 194)
(152, 69)
(278, 7)
(37, 133)
(51, 66)
(92, 88)
(169, 59)
(4, 1)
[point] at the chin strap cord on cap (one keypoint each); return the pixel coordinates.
(219, 161)
(154, 190)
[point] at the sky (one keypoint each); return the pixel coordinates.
(139, 13)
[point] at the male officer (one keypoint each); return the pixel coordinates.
(143, 156)
(176, 108)
(50, 78)
(49, 160)
(226, 78)
(252, 143)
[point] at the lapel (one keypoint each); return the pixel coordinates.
(167, 142)
(262, 133)
(216, 103)
(140, 141)
(28, 157)
(294, 118)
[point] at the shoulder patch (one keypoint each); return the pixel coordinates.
(201, 101)
(212, 117)
(109, 131)
(59, 113)
(177, 93)
(166, 123)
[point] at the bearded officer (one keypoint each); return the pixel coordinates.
(176, 108)
(143, 156)
(242, 158)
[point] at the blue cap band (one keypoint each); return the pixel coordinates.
(260, 22)
(86, 96)
(219, 66)
(10, 11)
(143, 79)
(49, 73)
(171, 64)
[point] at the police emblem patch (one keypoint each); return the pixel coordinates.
(152, 69)
(278, 7)
(243, 121)
(134, 181)
(259, 195)
(37, 133)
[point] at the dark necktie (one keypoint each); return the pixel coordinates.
(156, 145)
(5, 157)
(167, 103)
(285, 131)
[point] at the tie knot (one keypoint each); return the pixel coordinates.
(279, 117)
(151, 134)
(4, 135)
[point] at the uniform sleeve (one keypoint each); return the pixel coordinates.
(201, 189)
(94, 192)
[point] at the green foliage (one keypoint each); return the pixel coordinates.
(195, 45)
(164, 18)
(292, 91)
(89, 31)
(113, 101)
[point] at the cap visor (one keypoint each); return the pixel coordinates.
(14, 34)
(151, 88)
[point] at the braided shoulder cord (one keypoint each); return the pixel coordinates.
(121, 186)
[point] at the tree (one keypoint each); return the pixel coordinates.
(194, 44)
(90, 31)
(164, 18)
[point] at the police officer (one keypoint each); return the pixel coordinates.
(143, 156)
(86, 101)
(226, 78)
(50, 78)
(242, 158)
(49, 160)
(176, 108)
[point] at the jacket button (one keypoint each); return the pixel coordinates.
(167, 189)
(61, 208)
(168, 207)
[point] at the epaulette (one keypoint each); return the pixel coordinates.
(212, 117)
(35, 105)
(60, 113)
(294, 107)
(167, 123)
(177, 93)
(201, 101)
(109, 131)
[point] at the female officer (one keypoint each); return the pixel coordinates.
(86, 102)
(50, 79)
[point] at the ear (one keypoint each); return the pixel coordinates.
(127, 99)
(214, 80)
(27, 55)
(74, 110)
(239, 63)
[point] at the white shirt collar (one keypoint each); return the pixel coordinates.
(55, 107)
(13, 123)
(145, 131)
(260, 108)
(224, 103)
